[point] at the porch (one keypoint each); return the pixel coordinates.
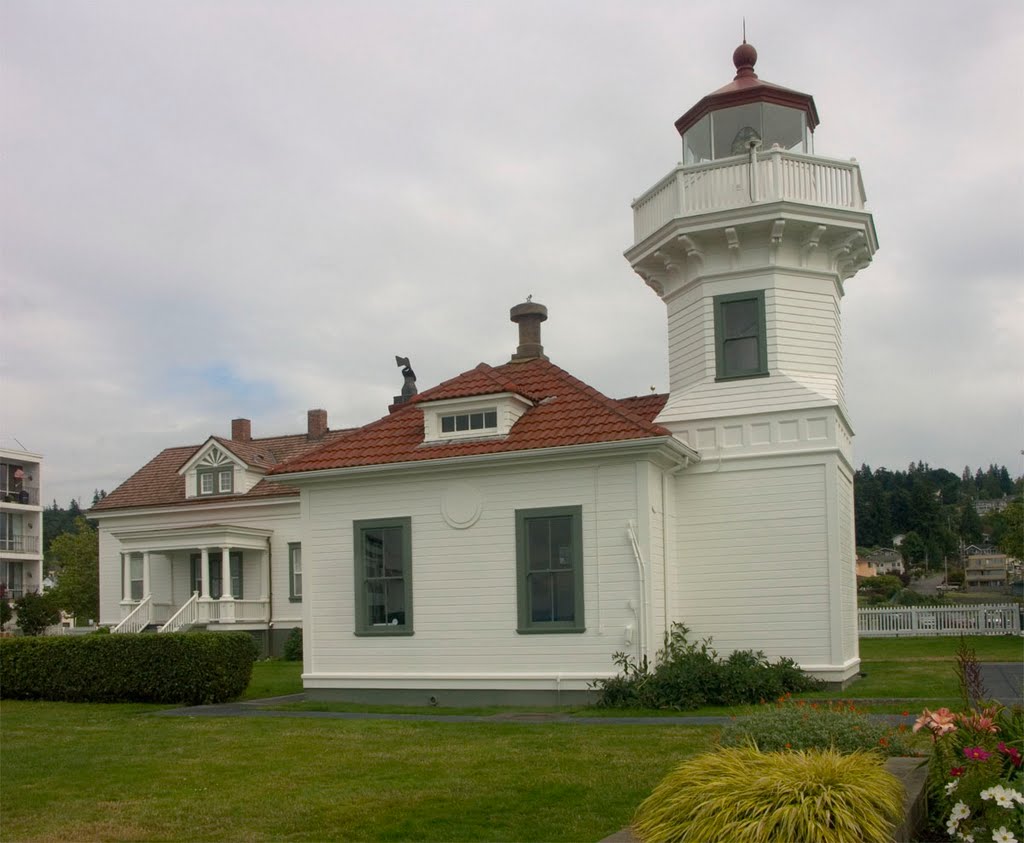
(211, 576)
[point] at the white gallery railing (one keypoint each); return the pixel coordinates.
(964, 619)
(773, 176)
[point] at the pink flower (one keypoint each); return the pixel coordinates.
(957, 771)
(940, 722)
(1010, 751)
(976, 753)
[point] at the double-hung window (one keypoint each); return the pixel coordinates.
(216, 481)
(294, 572)
(196, 574)
(382, 561)
(549, 565)
(741, 348)
(135, 576)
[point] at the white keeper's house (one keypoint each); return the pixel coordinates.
(503, 534)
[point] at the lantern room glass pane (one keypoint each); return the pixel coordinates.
(786, 127)
(734, 128)
(697, 142)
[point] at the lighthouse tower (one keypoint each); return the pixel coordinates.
(749, 242)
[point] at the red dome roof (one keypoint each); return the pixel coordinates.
(747, 88)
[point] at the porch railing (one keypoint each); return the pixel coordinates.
(233, 611)
(185, 617)
(137, 619)
(964, 619)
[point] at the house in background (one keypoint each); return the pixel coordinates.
(502, 535)
(985, 568)
(199, 537)
(21, 521)
(886, 560)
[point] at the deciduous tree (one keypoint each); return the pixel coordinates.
(78, 589)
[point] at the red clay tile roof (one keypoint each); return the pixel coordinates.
(566, 412)
(158, 483)
(645, 406)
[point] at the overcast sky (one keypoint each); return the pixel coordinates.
(247, 209)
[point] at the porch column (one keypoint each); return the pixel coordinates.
(205, 599)
(227, 604)
(145, 574)
(265, 582)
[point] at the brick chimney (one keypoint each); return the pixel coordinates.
(528, 317)
(316, 424)
(241, 430)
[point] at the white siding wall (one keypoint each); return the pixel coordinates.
(804, 347)
(464, 580)
(753, 558)
(847, 566)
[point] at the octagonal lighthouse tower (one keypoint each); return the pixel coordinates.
(749, 242)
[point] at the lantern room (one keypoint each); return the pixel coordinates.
(747, 114)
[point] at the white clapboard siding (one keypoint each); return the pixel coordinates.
(464, 580)
(753, 551)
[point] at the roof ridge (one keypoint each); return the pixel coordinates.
(610, 403)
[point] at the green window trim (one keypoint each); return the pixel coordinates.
(734, 342)
(385, 538)
(545, 580)
(295, 572)
(221, 481)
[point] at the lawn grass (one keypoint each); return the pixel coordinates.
(121, 772)
(917, 670)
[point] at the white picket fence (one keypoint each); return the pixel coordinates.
(964, 619)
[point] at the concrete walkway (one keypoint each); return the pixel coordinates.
(1004, 682)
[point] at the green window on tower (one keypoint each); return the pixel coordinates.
(741, 347)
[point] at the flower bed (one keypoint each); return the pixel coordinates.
(975, 775)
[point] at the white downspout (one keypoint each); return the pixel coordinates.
(665, 544)
(642, 571)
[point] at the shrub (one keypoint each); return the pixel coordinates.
(688, 675)
(6, 612)
(193, 669)
(746, 796)
(799, 725)
(293, 645)
(35, 612)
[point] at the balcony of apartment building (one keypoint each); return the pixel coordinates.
(19, 483)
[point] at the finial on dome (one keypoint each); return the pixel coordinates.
(744, 57)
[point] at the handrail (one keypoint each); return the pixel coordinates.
(185, 617)
(137, 619)
(768, 176)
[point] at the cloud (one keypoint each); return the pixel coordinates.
(228, 209)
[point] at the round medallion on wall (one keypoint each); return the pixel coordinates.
(461, 505)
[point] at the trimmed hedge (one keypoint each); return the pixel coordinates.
(194, 668)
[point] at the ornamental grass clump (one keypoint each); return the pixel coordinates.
(796, 724)
(742, 795)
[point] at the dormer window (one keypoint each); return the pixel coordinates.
(482, 420)
(216, 481)
(472, 417)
